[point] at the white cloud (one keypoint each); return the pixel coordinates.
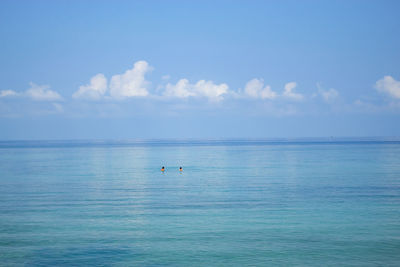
(389, 86)
(329, 95)
(254, 88)
(94, 90)
(290, 93)
(184, 89)
(58, 107)
(35, 92)
(42, 93)
(181, 89)
(366, 106)
(211, 90)
(6, 93)
(132, 83)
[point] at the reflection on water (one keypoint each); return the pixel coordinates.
(253, 204)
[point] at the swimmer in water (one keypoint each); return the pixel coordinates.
(180, 169)
(162, 169)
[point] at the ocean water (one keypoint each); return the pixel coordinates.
(236, 203)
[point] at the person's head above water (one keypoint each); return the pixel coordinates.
(180, 168)
(162, 168)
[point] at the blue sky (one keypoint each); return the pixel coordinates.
(205, 69)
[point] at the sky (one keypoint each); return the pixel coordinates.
(199, 69)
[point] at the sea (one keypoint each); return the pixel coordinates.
(275, 202)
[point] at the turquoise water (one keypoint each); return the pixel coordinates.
(236, 203)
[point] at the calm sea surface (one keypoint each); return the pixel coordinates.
(236, 203)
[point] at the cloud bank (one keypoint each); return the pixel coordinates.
(133, 83)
